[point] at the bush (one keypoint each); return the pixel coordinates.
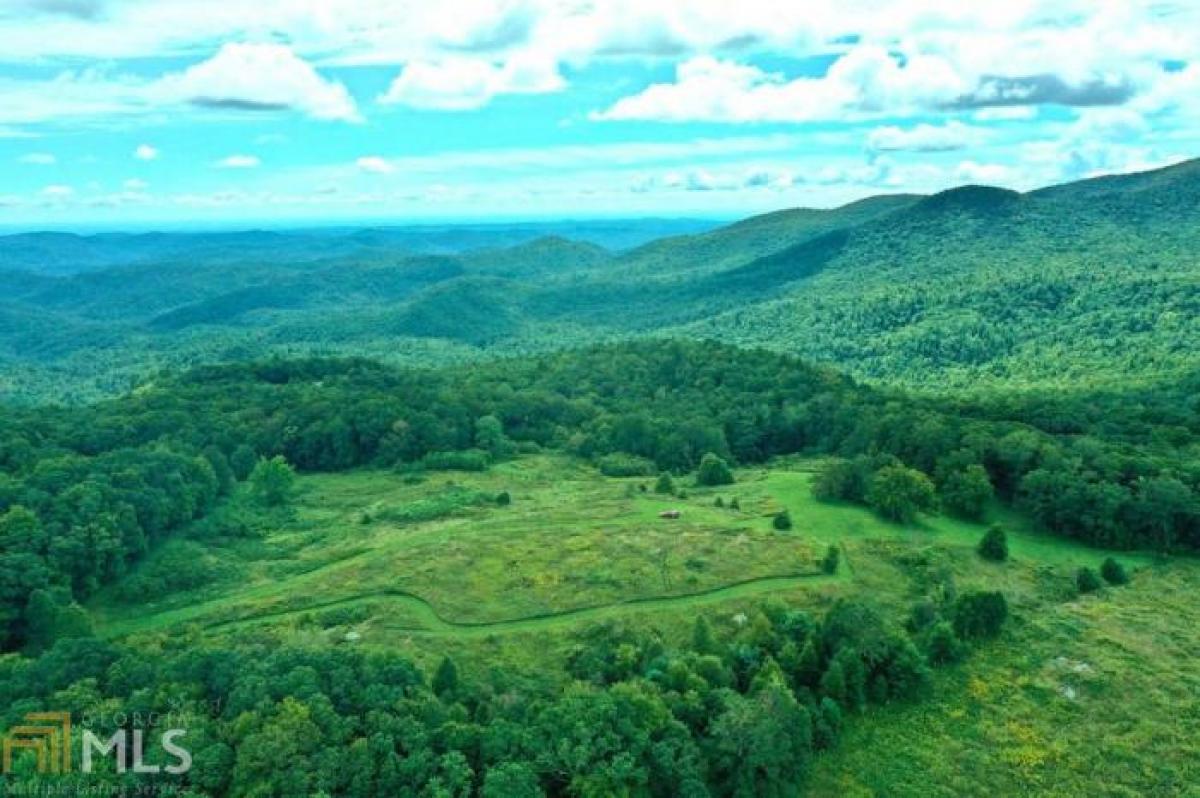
(898, 493)
(465, 460)
(620, 464)
(718, 502)
(829, 564)
(734, 504)
(503, 498)
(782, 521)
(713, 471)
(994, 544)
(942, 647)
(272, 480)
(1113, 572)
(665, 484)
(966, 493)
(979, 614)
(1087, 581)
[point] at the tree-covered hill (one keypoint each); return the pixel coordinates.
(1092, 283)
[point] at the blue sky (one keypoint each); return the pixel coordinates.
(155, 112)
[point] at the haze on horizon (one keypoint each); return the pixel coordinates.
(137, 113)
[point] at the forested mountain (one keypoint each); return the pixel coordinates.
(1089, 283)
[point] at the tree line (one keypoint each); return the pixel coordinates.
(84, 491)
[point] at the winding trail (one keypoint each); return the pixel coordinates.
(431, 623)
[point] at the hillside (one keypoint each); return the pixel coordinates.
(654, 551)
(1087, 284)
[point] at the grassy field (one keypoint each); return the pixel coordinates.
(1076, 687)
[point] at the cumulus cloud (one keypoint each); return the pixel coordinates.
(461, 84)
(889, 58)
(1100, 141)
(260, 77)
(924, 137)
(239, 162)
(373, 164)
(145, 152)
(865, 80)
(57, 191)
(39, 158)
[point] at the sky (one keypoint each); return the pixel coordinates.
(156, 112)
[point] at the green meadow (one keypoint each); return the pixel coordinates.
(431, 564)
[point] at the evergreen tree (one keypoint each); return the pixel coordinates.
(665, 485)
(829, 563)
(1113, 572)
(979, 614)
(782, 521)
(445, 679)
(994, 544)
(1087, 581)
(942, 647)
(713, 471)
(703, 641)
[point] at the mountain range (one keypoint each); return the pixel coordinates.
(1090, 283)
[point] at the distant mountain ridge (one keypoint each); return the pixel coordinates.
(1093, 282)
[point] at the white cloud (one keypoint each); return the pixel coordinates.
(259, 77)
(239, 162)
(145, 152)
(39, 158)
(375, 165)
(924, 137)
(461, 55)
(1100, 141)
(57, 191)
(1005, 113)
(987, 173)
(867, 80)
(461, 84)
(136, 184)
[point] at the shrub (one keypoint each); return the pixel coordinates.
(1087, 581)
(718, 502)
(272, 480)
(942, 646)
(503, 498)
(994, 544)
(713, 471)
(966, 493)
(829, 563)
(979, 614)
(734, 504)
(620, 464)
(898, 493)
(782, 521)
(665, 484)
(465, 460)
(1113, 572)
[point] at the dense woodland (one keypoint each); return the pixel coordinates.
(1068, 314)
(86, 491)
(1088, 285)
